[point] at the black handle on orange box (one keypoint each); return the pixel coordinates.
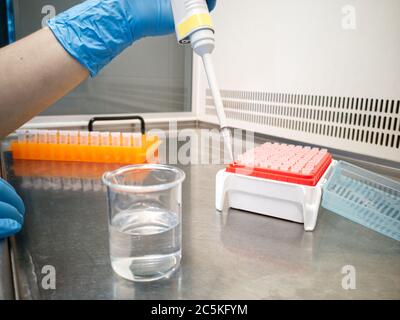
(117, 118)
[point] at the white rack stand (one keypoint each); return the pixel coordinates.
(290, 201)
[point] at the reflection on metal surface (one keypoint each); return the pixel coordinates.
(25, 278)
(6, 286)
(60, 169)
(59, 176)
(128, 290)
(62, 184)
(234, 255)
(259, 237)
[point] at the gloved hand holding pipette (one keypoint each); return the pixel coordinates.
(79, 42)
(12, 210)
(96, 31)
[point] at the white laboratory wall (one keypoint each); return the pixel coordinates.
(321, 72)
(154, 75)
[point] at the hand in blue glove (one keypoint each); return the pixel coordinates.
(12, 210)
(96, 31)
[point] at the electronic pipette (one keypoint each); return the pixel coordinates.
(193, 25)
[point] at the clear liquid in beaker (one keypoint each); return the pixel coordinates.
(145, 244)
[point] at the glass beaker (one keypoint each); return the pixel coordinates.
(145, 220)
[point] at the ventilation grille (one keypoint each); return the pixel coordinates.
(373, 125)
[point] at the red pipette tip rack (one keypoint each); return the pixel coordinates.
(282, 162)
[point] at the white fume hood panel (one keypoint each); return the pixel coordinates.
(321, 72)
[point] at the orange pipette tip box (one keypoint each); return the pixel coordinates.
(61, 147)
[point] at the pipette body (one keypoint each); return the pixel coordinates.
(193, 25)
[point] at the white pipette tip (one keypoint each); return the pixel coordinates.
(226, 135)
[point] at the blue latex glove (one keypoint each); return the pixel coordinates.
(96, 31)
(12, 210)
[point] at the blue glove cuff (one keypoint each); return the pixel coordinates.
(93, 32)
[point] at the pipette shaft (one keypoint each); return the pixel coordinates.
(194, 25)
(213, 84)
